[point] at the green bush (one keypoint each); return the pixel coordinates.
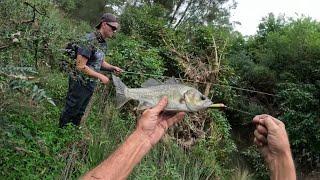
(256, 162)
(300, 107)
(211, 156)
(145, 22)
(137, 58)
(34, 148)
(56, 85)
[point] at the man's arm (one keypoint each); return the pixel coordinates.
(81, 64)
(110, 67)
(122, 161)
(282, 168)
(272, 139)
(151, 127)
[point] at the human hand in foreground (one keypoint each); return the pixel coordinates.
(272, 140)
(270, 136)
(151, 127)
(154, 122)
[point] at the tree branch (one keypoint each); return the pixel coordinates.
(4, 46)
(19, 76)
(35, 10)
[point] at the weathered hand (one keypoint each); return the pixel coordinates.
(271, 137)
(154, 122)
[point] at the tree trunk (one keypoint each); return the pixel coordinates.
(184, 13)
(135, 3)
(176, 11)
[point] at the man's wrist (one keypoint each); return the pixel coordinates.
(282, 167)
(101, 76)
(143, 139)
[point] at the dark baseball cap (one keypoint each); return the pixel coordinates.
(107, 17)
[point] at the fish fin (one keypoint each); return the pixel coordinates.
(172, 80)
(143, 106)
(121, 98)
(151, 82)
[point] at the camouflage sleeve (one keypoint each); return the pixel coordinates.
(85, 50)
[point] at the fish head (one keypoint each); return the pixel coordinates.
(196, 101)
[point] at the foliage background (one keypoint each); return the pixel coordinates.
(182, 38)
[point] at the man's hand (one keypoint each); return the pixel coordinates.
(104, 79)
(272, 139)
(151, 127)
(117, 70)
(154, 122)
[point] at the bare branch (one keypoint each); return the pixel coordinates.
(224, 47)
(4, 46)
(19, 76)
(35, 10)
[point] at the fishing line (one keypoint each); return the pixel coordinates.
(219, 105)
(215, 84)
(244, 112)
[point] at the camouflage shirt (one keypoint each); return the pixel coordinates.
(93, 47)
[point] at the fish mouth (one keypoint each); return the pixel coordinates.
(208, 103)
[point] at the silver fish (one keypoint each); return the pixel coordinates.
(180, 97)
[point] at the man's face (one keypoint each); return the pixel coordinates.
(109, 28)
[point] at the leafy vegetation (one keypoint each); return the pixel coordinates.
(192, 40)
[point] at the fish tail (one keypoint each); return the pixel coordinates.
(121, 98)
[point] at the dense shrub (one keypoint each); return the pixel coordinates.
(300, 105)
(282, 58)
(137, 58)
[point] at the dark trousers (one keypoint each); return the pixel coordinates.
(78, 97)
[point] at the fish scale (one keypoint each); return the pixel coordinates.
(153, 94)
(180, 97)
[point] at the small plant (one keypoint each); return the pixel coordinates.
(22, 80)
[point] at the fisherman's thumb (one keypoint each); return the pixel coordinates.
(161, 104)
